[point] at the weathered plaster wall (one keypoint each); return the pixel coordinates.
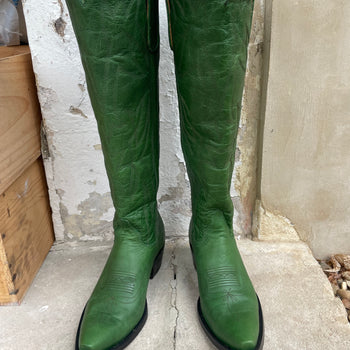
(245, 172)
(305, 174)
(79, 191)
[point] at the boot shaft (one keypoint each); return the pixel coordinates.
(118, 43)
(210, 41)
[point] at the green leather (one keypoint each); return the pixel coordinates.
(209, 40)
(118, 42)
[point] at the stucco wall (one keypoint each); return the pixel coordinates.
(79, 191)
(305, 173)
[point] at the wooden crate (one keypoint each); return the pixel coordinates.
(20, 115)
(26, 232)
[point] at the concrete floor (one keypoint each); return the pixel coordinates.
(299, 307)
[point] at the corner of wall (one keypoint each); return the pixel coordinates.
(50, 179)
(264, 84)
(270, 226)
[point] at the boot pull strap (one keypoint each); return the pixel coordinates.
(152, 25)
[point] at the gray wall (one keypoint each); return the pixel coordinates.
(305, 157)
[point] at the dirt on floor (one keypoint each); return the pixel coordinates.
(337, 269)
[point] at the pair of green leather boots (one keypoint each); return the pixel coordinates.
(119, 47)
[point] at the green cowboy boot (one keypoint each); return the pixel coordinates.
(118, 42)
(209, 40)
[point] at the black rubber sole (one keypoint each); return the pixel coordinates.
(213, 338)
(137, 329)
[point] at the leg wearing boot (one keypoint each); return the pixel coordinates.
(118, 42)
(209, 40)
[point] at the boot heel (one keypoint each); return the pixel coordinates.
(157, 263)
(194, 262)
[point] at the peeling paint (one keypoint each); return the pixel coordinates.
(60, 193)
(173, 193)
(270, 226)
(61, 6)
(47, 96)
(88, 221)
(54, 199)
(60, 26)
(45, 151)
(76, 110)
(98, 147)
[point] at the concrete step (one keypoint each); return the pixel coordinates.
(299, 307)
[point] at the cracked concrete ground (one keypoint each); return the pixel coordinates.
(299, 307)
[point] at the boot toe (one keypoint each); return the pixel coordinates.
(233, 330)
(240, 333)
(101, 335)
